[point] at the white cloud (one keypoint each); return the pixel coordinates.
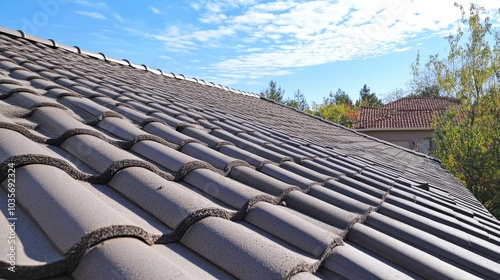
(95, 15)
(213, 8)
(277, 37)
(213, 18)
(403, 49)
(118, 17)
(195, 6)
(96, 5)
(154, 10)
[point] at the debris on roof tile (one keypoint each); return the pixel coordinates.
(116, 170)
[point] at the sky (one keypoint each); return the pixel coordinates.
(314, 46)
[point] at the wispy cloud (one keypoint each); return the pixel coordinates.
(278, 37)
(195, 6)
(154, 10)
(118, 17)
(403, 49)
(90, 4)
(95, 15)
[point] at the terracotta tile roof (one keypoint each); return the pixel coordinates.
(126, 173)
(408, 112)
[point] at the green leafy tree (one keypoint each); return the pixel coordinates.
(424, 82)
(299, 101)
(274, 92)
(342, 113)
(339, 97)
(337, 107)
(468, 136)
(366, 98)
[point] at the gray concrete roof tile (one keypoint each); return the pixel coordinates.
(290, 228)
(353, 193)
(428, 242)
(64, 209)
(225, 189)
(241, 154)
(33, 246)
(320, 210)
(218, 160)
(306, 172)
(286, 176)
(260, 181)
(190, 263)
(404, 255)
(168, 201)
(118, 259)
(353, 262)
(229, 244)
(338, 199)
(166, 132)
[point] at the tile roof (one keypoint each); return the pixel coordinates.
(122, 172)
(408, 112)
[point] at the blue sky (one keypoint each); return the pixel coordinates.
(314, 46)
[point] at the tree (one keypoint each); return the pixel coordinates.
(394, 95)
(274, 92)
(424, 82)
(342, 113)
(468, 136)
(299, 101)
(340, 97)
(337, 107)
(367, 99)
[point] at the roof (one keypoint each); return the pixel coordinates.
(126, 173)
(408, 112)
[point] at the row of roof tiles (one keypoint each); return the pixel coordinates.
(125, 62)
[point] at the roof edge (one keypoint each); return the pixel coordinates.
(75, 49)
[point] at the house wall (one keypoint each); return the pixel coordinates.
(411, 139)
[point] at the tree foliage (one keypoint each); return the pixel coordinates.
(274, 92)
(339, 97)
(468, 136)
(424, 82)
(341, 113)
(337, 107)
(394, 95)
(368, 99)
(299, 101)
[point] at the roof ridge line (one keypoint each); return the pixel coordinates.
(75, 49)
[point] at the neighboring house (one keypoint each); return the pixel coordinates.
(406, 122)
(119, 171)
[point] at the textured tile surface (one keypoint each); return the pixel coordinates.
(123, 173)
